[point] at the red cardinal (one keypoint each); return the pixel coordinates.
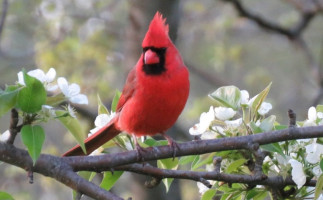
(154, 95)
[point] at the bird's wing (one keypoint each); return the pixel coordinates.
(128, 89)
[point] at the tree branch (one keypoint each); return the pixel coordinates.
(274, 181)
(292, 33)
(54, 167)
(109, 161)
(64, 169)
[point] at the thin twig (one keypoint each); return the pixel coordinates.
(291, 33)
(199, 176)
(292, 118)
(13, 129)
(5, 6)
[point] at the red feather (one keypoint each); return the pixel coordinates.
(149, 104)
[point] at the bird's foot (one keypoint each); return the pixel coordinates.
(172, 144)
(140, 151)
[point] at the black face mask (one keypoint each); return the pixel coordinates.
(156, 68)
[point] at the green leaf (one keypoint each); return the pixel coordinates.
(196, 159)
(321, 164)
(227, 96)
(254, 128)
(319, 187)
(123, 140)
(5, 196)
(101, 107)
(109, 179)
(268, 123)
(261, 195)
(86, 175)
(73, 126)
(33, 138)
(319, 108)
(280, 127)
(235, 165)
(208, 195)
(259, 100)
(187, 159)
(8, 99)
(115, 100)
(168, 163)
(251, 193)
(32, 96)
(203, 160)
(273, 147)
(150, 142)
(55, 100)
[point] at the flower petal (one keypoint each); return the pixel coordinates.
(202, 188)
(244, 97)
(74, 89)
(298, 174)
(51, 88)
(101, 120)
(195, 130)
(314, 152)
(21, 78)
(223, 113)
(5, 136)
(79, 99)
(39, 74)
(63, 85)
(50, 75)
(311, 113)
(233, 123)
(265, 108)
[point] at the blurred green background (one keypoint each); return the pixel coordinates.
(96, 42)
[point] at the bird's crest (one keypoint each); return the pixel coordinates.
(157, 34)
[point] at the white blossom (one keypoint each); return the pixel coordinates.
(233, 123)
(72, 91)
(208, 135)
(223, 113)
(314, 152)
(312, 116)
(206, 119)
(5, 136)
(39, 74)
(317, 171)
(264, 108)
(202, 188)
(100, 121)
(298, 174)
(47, 112)
(244, 97)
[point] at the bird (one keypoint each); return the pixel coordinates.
(154, 95)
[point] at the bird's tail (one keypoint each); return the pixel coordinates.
(96, 140)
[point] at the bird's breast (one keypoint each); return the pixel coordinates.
(156, 104)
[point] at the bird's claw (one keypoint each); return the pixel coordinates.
(140, 151)
(172, 144)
